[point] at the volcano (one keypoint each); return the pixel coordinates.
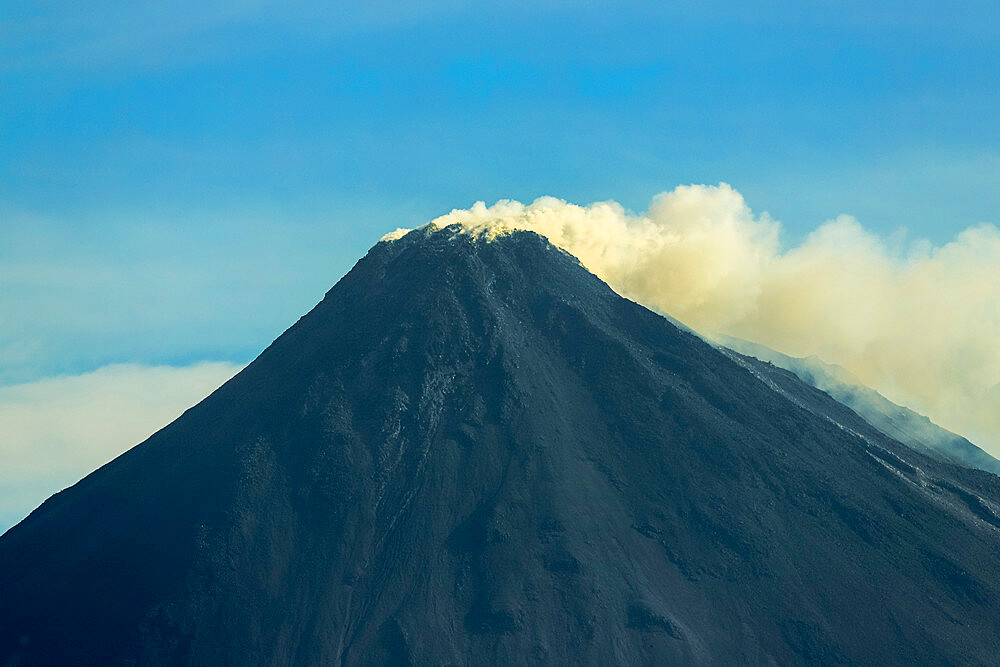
(473, 451)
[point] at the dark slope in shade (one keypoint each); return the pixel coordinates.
(895, 421)
(475, 453)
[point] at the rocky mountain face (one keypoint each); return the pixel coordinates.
(474, 452)
(897, 422)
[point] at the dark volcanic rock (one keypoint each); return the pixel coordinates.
(783, 373)
(475, 452)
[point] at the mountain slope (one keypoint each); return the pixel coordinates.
(896, 421)
(474, 452)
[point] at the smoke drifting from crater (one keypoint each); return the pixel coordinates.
(919, 323)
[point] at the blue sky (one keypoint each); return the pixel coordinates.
(180, 181)
(229, 161)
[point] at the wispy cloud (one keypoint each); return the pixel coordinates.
(56, 430)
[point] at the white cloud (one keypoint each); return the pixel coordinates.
(56, 430)
(916, 322)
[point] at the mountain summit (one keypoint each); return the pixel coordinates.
(472, 451)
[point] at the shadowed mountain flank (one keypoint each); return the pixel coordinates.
(472, 451)
(895, 421)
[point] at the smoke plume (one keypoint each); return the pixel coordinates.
(918, 323)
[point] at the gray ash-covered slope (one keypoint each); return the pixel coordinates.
(895, 421)
(475, 452)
